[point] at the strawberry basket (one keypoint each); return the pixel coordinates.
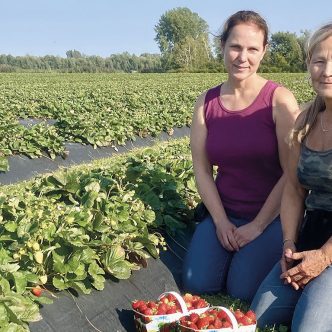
(218, 319)
(162, 315)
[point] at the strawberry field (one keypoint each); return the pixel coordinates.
(75, 228)
(39, 112)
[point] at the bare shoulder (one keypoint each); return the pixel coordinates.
(284, 103)
(284, 96)
(199, 105)
(201, 99)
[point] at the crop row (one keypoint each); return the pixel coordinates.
(101, 109)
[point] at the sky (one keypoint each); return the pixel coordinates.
(105, 27)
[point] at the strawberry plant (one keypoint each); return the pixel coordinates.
(103, 109)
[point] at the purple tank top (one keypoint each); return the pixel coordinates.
(243, 144)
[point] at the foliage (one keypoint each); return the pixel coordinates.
(182, 37)
(72, 228)
(101, 109)
(286, 52)
(77, 62)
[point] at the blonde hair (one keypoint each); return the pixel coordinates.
(308, 119)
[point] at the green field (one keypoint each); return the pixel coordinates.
(72, 228)
(102, 109)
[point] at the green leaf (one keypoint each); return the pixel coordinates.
(114, 263)
(153, 200)
(4, 165)
(10, 226)
(98, 282)
(20, 281)
(12, 316)
(95, 269)
(93, 186)
(89, 198)
(79, 286)
(191, 184)
(5, 286)
(9, 267)
(59, 283)
(43, 300)
(149, 216)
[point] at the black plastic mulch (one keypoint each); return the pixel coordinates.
(24, 168)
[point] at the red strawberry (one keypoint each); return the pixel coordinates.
(193, 326)
(251, 315)
(238, 314)
(194, 317)
(227, 324)
(171, 297)
(160, 311)
(171, 310)
(37, 291)
(217, 323)
(200, 304)
(148, 312)
(245, 321)
(222, 315)
(136, 304)
(183, 320)
(203, 323)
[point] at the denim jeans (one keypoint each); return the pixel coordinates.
(307, 310)
(210, 268)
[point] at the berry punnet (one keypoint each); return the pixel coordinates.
(164, 312)
(217, 318)
(168, 304)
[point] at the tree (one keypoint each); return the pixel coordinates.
(286, 52)
(73, 54)
(179, 32)
(302, 40)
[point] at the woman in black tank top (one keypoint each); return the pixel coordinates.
(298, 292)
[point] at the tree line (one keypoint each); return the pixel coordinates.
(185, 45)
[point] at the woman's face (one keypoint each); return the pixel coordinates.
(244, 50)
(320, 68)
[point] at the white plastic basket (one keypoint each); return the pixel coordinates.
(235, 328)
(156, 321)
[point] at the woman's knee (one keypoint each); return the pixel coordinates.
(312, 312)
(206, 262)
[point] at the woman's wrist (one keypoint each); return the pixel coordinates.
(288, 240)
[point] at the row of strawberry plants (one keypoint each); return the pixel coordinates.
(72, 228)
(101, 109)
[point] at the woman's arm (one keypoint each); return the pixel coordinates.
(204, 178)
(292, 208)
(313, 263)
(285, 111)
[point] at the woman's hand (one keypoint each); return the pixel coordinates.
(247, 233)
(314, 262)
(287, 261)
(225, 233)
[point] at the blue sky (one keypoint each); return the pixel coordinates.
(104, 27)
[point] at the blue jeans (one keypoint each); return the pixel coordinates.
(210, 268)
(306, 310)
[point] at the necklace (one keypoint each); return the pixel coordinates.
(324, 130)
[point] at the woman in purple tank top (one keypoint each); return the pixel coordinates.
(240, 127)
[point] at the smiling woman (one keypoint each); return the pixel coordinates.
(302, 283)
(239, 126)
